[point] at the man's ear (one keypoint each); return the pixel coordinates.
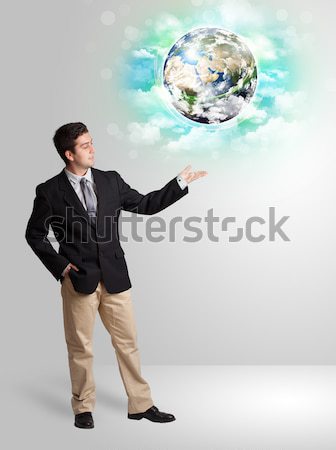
(68, 155)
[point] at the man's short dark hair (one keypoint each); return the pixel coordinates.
(65, 136)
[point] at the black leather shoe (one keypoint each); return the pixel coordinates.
(84, 420)
(153, 414)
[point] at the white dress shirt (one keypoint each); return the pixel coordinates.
(75, 182)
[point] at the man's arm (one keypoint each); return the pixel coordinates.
(151, 203)
(37, 232)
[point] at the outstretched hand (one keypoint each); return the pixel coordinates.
(188, 175)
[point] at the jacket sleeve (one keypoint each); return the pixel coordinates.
(151, 203)
(37, 232)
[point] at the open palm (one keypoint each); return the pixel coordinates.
(188, 175)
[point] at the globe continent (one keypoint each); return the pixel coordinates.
(210, 74)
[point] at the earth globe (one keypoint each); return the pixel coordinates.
(210, 74)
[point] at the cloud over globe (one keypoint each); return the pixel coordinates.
(210, 74)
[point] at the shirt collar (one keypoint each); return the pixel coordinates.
(76, 178)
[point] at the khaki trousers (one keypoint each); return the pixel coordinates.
(117, 315)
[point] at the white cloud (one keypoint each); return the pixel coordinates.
(160, 50)
(149, 133)
(262, 76)
(275, 133)
(261, 47)
(275, 128)
(197, 140)
(290, 102)
(279, 73)
(254, 114)
(294, 40)
(146, 100)
(269, 91)
(142, 53)
(161, 121)
(271, 76)
(143, 133)
(179, 130)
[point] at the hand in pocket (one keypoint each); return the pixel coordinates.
(71, 266)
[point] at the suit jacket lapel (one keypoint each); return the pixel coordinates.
(101, 188)
(71, 198)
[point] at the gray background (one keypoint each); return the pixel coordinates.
(196, 303)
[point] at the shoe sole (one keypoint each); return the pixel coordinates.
(135, 416)
(138, 416)
(84, 427)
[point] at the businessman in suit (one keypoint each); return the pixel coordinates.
(82, 205)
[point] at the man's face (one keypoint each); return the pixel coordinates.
(82, 156)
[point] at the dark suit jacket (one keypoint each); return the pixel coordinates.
(96, 251)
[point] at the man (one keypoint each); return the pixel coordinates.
(82, 205)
